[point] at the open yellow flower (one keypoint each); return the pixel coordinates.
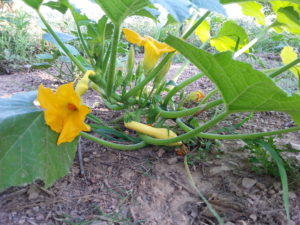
(64, 112)
(153, 48)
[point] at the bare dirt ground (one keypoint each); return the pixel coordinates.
(150, 186)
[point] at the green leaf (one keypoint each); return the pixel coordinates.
(151, 13)
(28, 147)
(243, 88)
(211, 5)
(44, 65)
(290, 19)
(288, 55)
(118, 10)
(283, 176)
(276, 5)
(230, 37)
(254, 9)
(59, 6)
(64, 37)
(179, 9)
(203, 31)
(34, 3)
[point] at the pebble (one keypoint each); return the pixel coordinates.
(271, 192)
(86, 159)
(172, 160)
(40, 217)
(21, 221)
(241, 222)
(248, 182)
(160, 152)
(295, 146)
(253, 217)
(292, 195)
(218, 169)
(229, 223)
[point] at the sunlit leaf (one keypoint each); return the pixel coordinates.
(34, 3)
(59, 6)
(288, 55)
(276, 5)
(243, 88)
(179, 9)
(230, 37)
(211, 5)
(118, 10)
(290, 19)
(203, 31)
(254, 9)
(28, 147)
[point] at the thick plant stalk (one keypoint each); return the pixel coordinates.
(189, 112)
(113, 59)
(186, 128)
(149, 77)
(181, 86)
(111, 144)
(260, 36)
(61, 44)
(194, 27)
(285, 68)
(188, 135)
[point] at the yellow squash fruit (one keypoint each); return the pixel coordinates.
(83, 84)
(160, 133)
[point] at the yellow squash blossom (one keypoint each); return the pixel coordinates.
(195, 96)
(64, 112)
(153, 48)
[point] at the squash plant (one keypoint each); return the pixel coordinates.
(39, 130)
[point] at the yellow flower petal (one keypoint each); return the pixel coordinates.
(153, 48)
(133, 37)
(73, 124)
(64, 112)
(153, 51)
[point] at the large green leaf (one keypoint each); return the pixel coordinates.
(28, 149)
(179, 9)
(290, 19)
(34, 3)
(60, 6)
(243, 88)
(118, 10)
(230, 37)
(212, 5)
(254, 9)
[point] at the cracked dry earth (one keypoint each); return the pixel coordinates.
(150, 186)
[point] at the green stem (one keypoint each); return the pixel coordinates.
(260, 36)
(285, 68)
(186, 128)
(149, 77)
(113, 59)
(194, 27)
(180, 86)
(111, 144)
(209, 95)
(193, 184)
(189, 112)
(188, 135)
(84, 46)
(179, 72)
(61, 44)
